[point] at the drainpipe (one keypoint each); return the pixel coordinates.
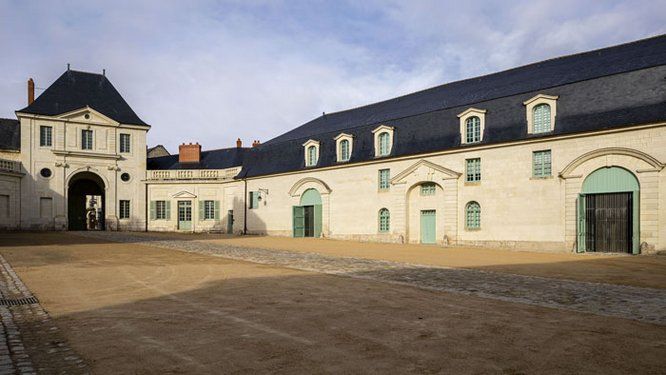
(245, 208)
(145, 206)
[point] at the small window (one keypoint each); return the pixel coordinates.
(344, 150)
(541, 118)
(473, 215)
(473, 129)
(124, 143)
(124, 209)
(254, 199)
(473, 170)
(209, 210)
(86, 139)
(312, 156)
(125, 177)
(384, 220)
(160, 210)
(45, 136)
(384, 144)
(428, 188)
(384, 179)
(45, 172)
(541, 163)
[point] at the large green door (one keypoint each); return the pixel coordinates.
(299, 221)
(428, 226)
(184, 215)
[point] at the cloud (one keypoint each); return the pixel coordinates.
(212, 72)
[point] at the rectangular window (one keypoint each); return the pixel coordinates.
(124, 210)
(86, 139)
(428, 189)
(45, 136)
(46, 208)
(209, 210)
(160, 210)
(124, 143)
(541, 163)
(254, 199)
(4, 206)
(473, 170)
(384, 177)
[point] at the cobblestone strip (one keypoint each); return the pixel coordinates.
(28, 333)
(642, 304)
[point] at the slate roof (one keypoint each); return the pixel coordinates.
(74, 90)
(10, 134)
(602, 89)
(212, 159)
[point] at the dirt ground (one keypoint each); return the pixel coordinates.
(130, 308)
(643, 271)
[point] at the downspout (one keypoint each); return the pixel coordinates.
(145, 206)
(245, 208)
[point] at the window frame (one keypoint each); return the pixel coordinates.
(306, 153)
(84, 140)
(384, 220)
(534, 102)
(428, 189)
(209, 209)
(540, 160)
(343, 137)
(159, 203)
(473, 223)
(378, 132)
(128, 140)
(42, 139)
(474, 174)
(124, 212)
(384, 185)
(469, 114)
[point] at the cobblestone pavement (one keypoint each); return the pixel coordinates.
(28, 336)
(642, 304)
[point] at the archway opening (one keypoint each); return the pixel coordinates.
(608, 212)
(425, 212)
(307, 217)
(86, 202)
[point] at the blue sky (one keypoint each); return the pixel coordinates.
(213, 71)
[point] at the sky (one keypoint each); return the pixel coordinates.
(214, 71)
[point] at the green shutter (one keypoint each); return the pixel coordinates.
(167, 210)
(581, 224)
(217, 210)
(317, 220)
(636, 230)
(255, 199)
(299, 221)
(202, 210)
(152, 210)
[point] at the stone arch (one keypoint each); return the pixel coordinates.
(309, 183)
(84, 210)
(648, 162)
(91, 170)
(416, 203)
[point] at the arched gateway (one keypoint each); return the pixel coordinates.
(86, 202)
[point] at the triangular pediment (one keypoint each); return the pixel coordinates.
(87, 115)
(425, 171)
(184, 194)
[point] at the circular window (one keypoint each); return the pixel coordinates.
(45, 172)
(125, 177)
(87, 116)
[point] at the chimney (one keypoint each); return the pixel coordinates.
(189, 153)
(239, 143)
(255, 143)
(31, 91)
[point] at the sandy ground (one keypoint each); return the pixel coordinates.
(129, 308)
(643, 271)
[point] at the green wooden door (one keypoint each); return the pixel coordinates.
(298, 221)
(317, 220)
(428, 226)
(184, 215)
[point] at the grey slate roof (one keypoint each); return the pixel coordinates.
(607, 88)
(10, 134)
(74, 90)
(212, 159)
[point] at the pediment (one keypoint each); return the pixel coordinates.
(424, 170)
(184, 194)
(87, 115)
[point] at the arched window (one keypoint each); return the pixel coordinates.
(384, 220)
(473, 129)
(473, 215)
(384, 146)
(312, 156)
(541, 118)
(344, 150)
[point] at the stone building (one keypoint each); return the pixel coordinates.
(562, 155)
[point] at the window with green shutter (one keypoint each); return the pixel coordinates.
(254, 199)
(344, 150)
(428, 188)
(312, 156)
(384, 144)
(160, 210)
(384, 220)
(541, 118)
(541, 163)
(472, 215)
(209, 210)
(473, 129)
(384, 179)
(473, 170)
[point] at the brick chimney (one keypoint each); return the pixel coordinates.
(189, 153)
(239, 143)
(31, 91)
(255, 143)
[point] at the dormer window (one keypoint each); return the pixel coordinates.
(311, 153)
(383, 141)
(343, 146)
(472, 124)
(541, 111)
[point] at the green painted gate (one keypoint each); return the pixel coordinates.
(307, 217)
(596, 216)
(428, 226)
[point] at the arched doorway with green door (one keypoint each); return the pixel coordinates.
(307, 216)
(608, 212)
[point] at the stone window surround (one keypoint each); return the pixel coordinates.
(379, 130)
(307, 145)
(529, 104)
(50, 130)
(463, 116)
(342, 137)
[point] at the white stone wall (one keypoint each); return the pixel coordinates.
(10, 187)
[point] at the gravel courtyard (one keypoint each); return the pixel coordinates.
(129, 303)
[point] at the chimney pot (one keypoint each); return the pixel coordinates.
(239, 143)
(31, 91)
(189, 153)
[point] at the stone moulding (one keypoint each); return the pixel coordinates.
(652, 161)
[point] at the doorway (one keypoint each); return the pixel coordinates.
(185, 215)
(307, 217)
(428, 226)
(86, 202)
